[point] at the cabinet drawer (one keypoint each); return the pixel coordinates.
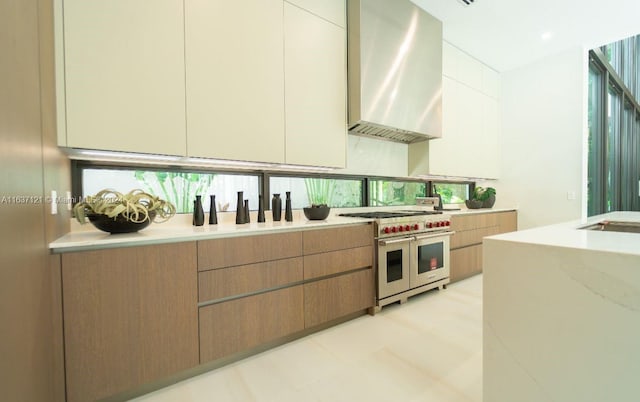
(332, 298)
(244, 250)
(466, 262)
(323, 240)
(241, 324)
(225, 282)
(473, 236)
(334, 262)
(474, 221)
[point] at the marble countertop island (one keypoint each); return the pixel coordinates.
(561, 313)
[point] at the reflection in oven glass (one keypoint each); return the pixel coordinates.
(430, 257)
(394, 265)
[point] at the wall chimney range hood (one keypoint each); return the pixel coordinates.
(394, 70)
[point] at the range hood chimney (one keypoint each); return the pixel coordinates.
(394, 70)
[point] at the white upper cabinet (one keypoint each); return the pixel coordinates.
(123, 76)
(235, 80)
(315, 89)
(469, 146)
(331, 10)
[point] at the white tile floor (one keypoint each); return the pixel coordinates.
(429, 349)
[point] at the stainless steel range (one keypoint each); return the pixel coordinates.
(412, 251)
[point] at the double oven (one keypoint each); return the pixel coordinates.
(412, 253)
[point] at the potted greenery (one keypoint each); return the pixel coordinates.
(114, 212)
(482, 197)
(319, 193)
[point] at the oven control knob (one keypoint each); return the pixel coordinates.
(407, 228)
(429, 224)
(394, 229)
(416, 226)
(438, 224)
(447, 223)
(385, 230)
(400, 228)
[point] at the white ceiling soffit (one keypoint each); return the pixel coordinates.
(506, 34)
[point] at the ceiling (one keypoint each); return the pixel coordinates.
(506, 34)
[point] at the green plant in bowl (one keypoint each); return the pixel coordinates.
(115, 212)
(483, 197)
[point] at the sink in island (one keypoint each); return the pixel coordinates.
(561, 315)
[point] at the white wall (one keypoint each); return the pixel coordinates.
(543, 139)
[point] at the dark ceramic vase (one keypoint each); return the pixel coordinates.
(213, 217)
(247, 217)
(198, 212)
(240, 208)
(260, 209)
(288, 213)
(276, 207)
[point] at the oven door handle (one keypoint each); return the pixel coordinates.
(394, 241)
(430, 236)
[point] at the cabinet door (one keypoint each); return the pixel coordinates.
(130, 317)
(465, 262)
(336, 297)
(235, 79)
(124, 76)
(237, 325)
(315, 89)
(331, 10)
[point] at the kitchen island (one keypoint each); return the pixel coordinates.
(561, 315)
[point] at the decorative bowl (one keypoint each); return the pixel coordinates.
(119, 224)
(488, 203)
(316, 213)
(473, 204)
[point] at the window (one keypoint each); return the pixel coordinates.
(595, 181)
(305, 191)
(178, 187)
(614, 130)
(452, 192)
(391, 192)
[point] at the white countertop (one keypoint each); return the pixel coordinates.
(171, 232)
(569, 235)
(178, 229)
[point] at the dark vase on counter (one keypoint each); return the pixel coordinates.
(213, 217)
(288, 213)
(260, 209)
(240, 208)
(198, 211)
(247, 217)
(276, 207)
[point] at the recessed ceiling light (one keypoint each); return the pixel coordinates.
(546, 36)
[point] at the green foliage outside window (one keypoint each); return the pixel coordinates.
(452, 193)
(179, 188)
(388, 192)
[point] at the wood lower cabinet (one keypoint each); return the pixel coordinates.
(467, 262)
(130, 317)
(136, 315)
(337, 297)
(466, 243)
(342, 260)
(237, 325)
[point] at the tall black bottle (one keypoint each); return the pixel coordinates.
(288, 213)
(260, 209)
(247, 217)
(213, 216)
(198, 211)
(240, 208)
(276, 207)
